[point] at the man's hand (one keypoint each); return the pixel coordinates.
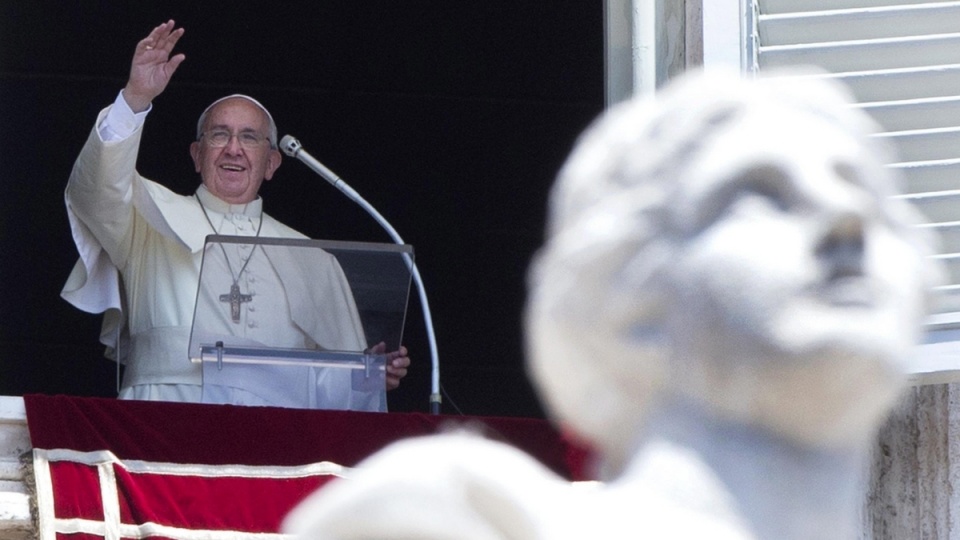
(397, 363)
(152, 66)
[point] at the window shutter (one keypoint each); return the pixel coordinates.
(901, 59)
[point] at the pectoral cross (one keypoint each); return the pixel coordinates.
(235, 299)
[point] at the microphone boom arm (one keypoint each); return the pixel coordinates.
(292, 147)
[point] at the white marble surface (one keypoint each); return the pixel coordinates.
(15, 520)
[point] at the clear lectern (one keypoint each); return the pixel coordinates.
(299, 323)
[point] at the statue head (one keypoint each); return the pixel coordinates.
(734, 244)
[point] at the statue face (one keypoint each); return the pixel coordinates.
(792, 280)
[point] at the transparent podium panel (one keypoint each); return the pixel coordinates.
(299, 323)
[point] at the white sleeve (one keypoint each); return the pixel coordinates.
(120, 121)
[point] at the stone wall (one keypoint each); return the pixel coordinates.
(15, 521)
(910, 491)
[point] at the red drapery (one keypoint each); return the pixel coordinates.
(108, 469)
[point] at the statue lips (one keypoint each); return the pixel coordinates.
(850, 291)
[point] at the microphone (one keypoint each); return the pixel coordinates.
(292, 147)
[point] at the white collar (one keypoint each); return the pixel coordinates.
(212, 203)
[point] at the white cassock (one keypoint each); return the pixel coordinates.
(141, 247)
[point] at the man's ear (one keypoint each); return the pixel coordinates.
(195, 154)
(273, 163)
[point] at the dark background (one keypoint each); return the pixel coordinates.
(450, 117)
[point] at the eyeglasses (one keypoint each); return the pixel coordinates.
(221, 138)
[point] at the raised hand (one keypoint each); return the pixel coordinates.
(152, 66)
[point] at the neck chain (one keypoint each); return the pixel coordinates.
(234, 296)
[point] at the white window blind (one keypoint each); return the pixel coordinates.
(901, 59)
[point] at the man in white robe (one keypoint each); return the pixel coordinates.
(141, 244)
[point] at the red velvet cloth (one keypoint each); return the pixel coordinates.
(166, 468)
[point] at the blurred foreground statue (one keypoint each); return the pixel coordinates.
(723, 309)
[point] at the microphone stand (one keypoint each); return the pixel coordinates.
(292, 147)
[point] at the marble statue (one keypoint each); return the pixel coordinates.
(724, 307)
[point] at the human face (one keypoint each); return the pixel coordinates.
(797, 293)
(234, 173)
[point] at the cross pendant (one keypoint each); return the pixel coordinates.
(235, 299)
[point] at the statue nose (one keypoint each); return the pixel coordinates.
(842, 244)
